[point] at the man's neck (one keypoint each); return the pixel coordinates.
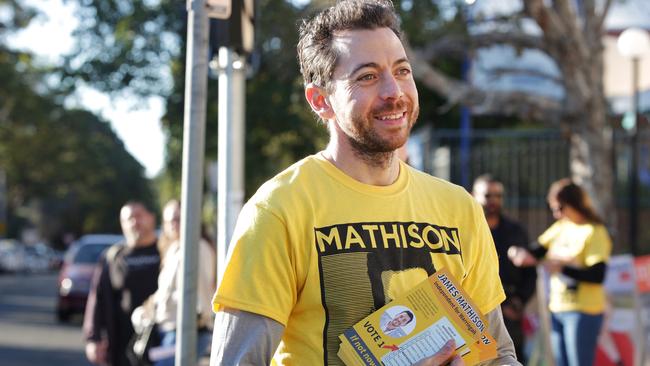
(143, 241)
(493, 220)
(379, 170)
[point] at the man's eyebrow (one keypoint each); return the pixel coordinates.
(362, 66)
(375, 65)
(401, 61)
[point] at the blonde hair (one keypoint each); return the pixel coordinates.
(164, 241)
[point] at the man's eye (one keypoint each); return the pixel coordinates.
(404, 71)
(366, 77)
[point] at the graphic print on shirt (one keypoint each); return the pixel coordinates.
(365, 265)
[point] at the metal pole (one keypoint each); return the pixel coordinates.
(3, 204)
(196, 87)
(230, 193)
(465, 116)
(634, 165)
(465, 146)
(641, 337)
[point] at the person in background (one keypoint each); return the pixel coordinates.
(518, 282)
(575, 251)
(340, 233)
(126, 275)
(162, 306)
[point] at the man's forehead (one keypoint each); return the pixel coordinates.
(367, 46)
(131, 209)
(495, 186)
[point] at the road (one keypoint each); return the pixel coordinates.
(29, 332)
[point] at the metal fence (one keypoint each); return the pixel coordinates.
(527, 162)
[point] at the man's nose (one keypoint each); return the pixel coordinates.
(390, 87)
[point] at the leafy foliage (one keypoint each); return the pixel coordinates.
(66, 170)
(125, 45)
(280, 128)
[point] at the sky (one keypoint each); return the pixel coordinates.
(140, 130)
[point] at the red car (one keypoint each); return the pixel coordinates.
(77, 271)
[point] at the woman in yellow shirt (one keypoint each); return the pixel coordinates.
(575, 251)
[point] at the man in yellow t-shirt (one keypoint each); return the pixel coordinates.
(340, 233)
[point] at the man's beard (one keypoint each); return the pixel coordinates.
(134, 236)
(368, 145)
(492, 210)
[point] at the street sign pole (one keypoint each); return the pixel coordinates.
(196, 87)
(230, 192)
(3, 204)
(231, 41)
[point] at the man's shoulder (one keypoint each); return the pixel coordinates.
(290, 181)
(438, 186)
(511, 223)
(114, 251)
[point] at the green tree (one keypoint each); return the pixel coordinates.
(66, 170)
(280, 128)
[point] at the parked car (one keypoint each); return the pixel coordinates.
(76, 273)
(12, 256)
(39, 258)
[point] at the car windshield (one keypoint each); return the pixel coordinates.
(89, 253)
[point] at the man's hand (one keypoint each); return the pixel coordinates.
(446, 356)
(96, 352)
(521, 257)
(512, 308)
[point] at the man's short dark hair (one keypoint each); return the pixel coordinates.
(487, 179)
(139, 203)
(410, 315)
(316, 56)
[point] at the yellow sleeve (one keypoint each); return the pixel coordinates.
(598, 246)
(259, 275)
(482, 281)
(547, 236)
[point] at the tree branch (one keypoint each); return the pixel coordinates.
(603, 13)
(570, 18)
(501, 71)
(547, 19)
(523, 105)
(520, 104)
(453, 45)
(564, 12)
(456, 45)
(515, 39)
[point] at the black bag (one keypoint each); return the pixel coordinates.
(137, 351)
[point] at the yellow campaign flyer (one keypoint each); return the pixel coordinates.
(418, 324)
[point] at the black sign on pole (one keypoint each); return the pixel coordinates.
(236, 32)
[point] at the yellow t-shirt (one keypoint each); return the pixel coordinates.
(583, 245)
(317, 251)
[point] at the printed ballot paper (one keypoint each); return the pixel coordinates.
(417, 324)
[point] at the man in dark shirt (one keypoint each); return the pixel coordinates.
(126, 275)
(518, 283)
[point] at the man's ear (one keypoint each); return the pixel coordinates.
(317, 98)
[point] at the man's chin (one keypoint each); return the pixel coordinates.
(493, 211)
(132, 239)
